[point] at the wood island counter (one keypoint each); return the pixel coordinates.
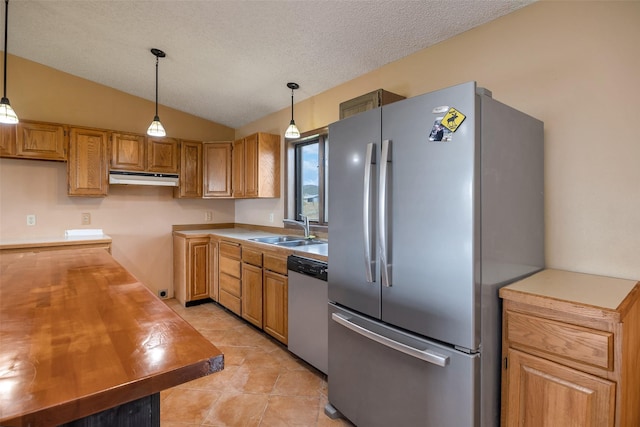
(83, 342)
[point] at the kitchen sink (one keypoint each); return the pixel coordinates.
(287, 241)
(277, 239)
(304, 242)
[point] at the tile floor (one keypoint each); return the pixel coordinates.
(262, 383)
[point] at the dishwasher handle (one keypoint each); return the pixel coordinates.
(426, 355)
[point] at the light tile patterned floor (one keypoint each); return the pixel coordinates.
(262, 384)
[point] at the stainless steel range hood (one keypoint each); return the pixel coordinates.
(143, 178)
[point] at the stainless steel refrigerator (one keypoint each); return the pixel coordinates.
(435, 202)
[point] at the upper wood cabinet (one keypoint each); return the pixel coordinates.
(256, 166)
(190, 170)
(216, 173)
(87, 168)
(163, 155)
(128, 151)
(137, 152)
(34, 140)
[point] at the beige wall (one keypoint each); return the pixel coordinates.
(139, 219)
(573, 65)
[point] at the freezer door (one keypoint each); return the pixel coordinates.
(355, 146)
(380, 376)
(428, 217)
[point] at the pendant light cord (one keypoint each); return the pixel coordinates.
(157, 60)
(6, 24)
(292, 105)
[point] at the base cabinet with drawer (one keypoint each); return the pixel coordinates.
(230, 276)
(252, 286)
(571, 345)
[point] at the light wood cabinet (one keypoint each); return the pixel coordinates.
(275, 297)
(570, 351)
(230, 275)
(128, 151)
(214, 270)
(252, 286)
(217, 169)
(191, 269)
(256, 166)
(136, 152)
(163, 155)
(34, 140)
(8, 140)
(87, 168)
(190, 171)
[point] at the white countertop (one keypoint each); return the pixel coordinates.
(596, 291)
(321, 249)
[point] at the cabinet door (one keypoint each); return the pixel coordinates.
(128, 152)
(238, 169)
(163, 155)
(198, 280)
(252, 294)
(217, 169)
(275, 303)
(545, 394)
(8, 140)
(43, 141)
(190, 170)
(87, 171)
(251, 166)
(214, 283)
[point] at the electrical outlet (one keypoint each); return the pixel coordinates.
(208, 216)
(31, 220)
(271, 217)
(86, 218)
(163, 293)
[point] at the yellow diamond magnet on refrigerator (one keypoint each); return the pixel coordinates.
(453, 119)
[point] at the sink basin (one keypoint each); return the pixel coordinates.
(305, 242)
(277, 239)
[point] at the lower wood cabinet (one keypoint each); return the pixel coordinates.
(276, 297)
(230, 274)
(191, 264)
(252, 286)
(570, 351)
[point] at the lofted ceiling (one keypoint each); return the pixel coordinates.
(228, 61)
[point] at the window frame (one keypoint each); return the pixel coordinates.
(293, 177)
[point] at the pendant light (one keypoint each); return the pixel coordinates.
(7, 115)
(292, 131)
(156, 128)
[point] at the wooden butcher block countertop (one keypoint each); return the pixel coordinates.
(79, 334)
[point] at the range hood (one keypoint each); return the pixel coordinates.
(143, 178)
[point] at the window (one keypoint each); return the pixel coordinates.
(308, 177)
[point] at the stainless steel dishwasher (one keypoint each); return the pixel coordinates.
(308, 310)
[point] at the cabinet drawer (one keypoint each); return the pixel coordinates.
(252, 257)
(230, 285)
(277, 264)
(230, 301)
(230, 250)
(230, 266)
(561, 339)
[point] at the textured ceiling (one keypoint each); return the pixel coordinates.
(229, 61)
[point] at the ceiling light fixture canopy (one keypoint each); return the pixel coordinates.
(156, 128)
(7, 115)
(292, 131)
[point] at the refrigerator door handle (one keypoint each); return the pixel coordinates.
(382, 214)
(426, 355)
(366, 214)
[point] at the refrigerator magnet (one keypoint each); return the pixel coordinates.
(438, 132)
(453, 119)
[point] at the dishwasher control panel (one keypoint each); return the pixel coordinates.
(307, 266)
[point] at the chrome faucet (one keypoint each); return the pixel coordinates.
(304, 224)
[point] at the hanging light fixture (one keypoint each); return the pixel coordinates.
(156, 128)
(7, 115)
(292, 130)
